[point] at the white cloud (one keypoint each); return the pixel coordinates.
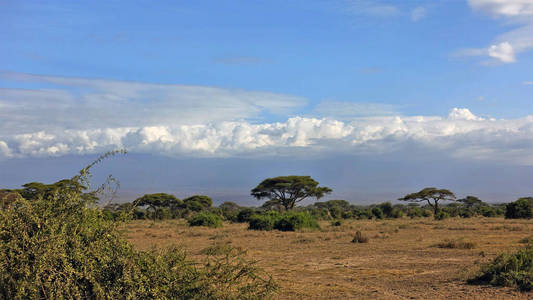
(460, 134)
(506, 46)
(463, 114)
(528, 82)
(418, 13)
(80, 103)
(503, 51)
(507, 8)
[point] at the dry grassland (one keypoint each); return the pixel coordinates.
(403, 259)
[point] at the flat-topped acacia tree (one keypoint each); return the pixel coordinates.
(430, 194)
(287, 190)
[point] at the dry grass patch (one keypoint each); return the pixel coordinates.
(326, 265)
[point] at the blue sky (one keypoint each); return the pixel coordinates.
(266, 81)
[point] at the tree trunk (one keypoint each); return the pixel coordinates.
(436, 207)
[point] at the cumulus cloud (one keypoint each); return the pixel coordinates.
(503, 51)
(461, 134)
(506, 46)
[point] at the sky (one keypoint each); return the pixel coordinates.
(374, 99)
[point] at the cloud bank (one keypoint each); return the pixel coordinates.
(72, 116)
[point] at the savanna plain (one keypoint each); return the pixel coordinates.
(404, 258)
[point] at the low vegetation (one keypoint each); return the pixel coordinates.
(514, 270)
(206, 219)
(55, 243)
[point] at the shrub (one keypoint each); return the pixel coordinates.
(386, 208)
(441, 215)
(396, 213)
(426, 213)
(206, 219)
(377, 213)
(62, 247)
(515, 270)
(466, 214)
(244, 215)
(263, 222)
(520, 209)
(292, 221)
(359, 238)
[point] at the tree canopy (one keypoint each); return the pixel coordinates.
(287, 190)
(198, 202)
(428, 195)
(153, 201)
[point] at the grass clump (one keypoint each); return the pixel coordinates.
(206, 219)
(360, 238)
(456, 244)
(513, 270)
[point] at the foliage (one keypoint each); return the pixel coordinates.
(293, 221)
(430, 195)
(263, 222)
(515, 270)
(60, 245)
(245, 214)
(288, 190)
(377, 213)
(206, 219)
(441, 215)
(198, 203)
(229, 210)
(520, 209)
(289, 221)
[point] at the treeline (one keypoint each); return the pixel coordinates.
(162, 206)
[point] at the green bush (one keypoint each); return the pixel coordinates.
(520, 209)
(289, 221)
(262, 222)
(62, 247)
(515, 270)
(293, 221)
(441, 215)
(377, 213)
(244, 215)
(396, 213)
(206, 219)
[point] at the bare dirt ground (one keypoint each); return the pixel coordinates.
(400, 260)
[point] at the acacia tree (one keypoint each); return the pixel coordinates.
(157, 200)
(430, 194)
(287, 190)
